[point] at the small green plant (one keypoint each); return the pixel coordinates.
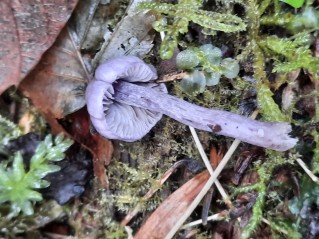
(296, 53)
(8, 131)
(18, 184)
(288, 54)
(268, 107)
(309, 194)
(282, 227)
(134, 183)
(264, 170)
(206, 66)
(304, 206)
(174, 19)
(307, 19)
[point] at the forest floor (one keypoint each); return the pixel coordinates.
(255, 58)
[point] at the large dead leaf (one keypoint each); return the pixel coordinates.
(28, 29)
(101, 148)
(92, 19)
(9, 48)
(167, 214)
(56, 86)
(132, 36)
(81, 21)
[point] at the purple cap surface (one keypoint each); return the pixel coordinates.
(116, 120)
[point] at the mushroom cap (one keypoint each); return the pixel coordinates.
(116, 120)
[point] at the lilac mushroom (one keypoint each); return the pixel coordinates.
(124, 103)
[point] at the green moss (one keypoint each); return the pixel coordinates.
(17, 185)
(269, 109)
(281, 228)
(296, 53)
(315, 159)
(307, 19)
(288, 54)
(45, 213)
(174, 20)
(8, 131)
(172, 140)
(264, 170)
(94, 216)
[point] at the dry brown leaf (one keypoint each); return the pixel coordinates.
(56, 86)
(215, 157)
(9, 48)
(167, 214)
(93, 19)
(28, 29)
(132, 36)
(101, 148)
(78, 128)
(242, 163)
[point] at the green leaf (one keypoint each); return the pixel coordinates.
(48, 141)
(38, 157)
(269, 109)
(18, 167)
(4, 196)
(32, 195)
(26, 207)
(63, 145)
(34, 182)
(296, 52)
(294, 3)
(212, 78)
(4, 178)
(55, 154)
(212, 53)
(58, 139)
(45, 169)
(187, 59)
(195, 82)
(230, 68)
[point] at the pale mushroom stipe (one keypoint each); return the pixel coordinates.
(124, 103)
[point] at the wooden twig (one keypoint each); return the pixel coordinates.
(209, 167)
(205, 189)
(307, 170)
(216, 217)
(172, 77)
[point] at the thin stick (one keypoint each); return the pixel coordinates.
(204, 190)
(216, 217)
(172, 77)
(307, 170)
(209, 167)
(129, 232)
(207, 186)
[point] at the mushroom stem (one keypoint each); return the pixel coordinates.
(268, 135)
